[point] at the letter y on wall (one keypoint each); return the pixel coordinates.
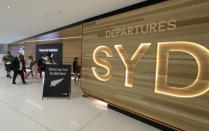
(130, 63)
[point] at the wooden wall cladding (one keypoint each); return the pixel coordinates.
(71, 43)
(192, 25)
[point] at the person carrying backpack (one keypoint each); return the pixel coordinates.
(7, 59)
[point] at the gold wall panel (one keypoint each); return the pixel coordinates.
(170, 21)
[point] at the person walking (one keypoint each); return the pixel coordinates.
(19, 67)
(76, 69)
(7, 59)
(41, 65)
(31, 63)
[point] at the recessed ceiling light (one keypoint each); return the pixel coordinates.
(8, 7)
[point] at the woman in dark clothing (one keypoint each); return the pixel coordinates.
(76, 69)
(8, 63)
(19, 67)
(41, 65)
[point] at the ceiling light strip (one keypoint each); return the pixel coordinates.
(65, 38)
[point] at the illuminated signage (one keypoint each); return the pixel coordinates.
(48, 50)
(200, 54)
(103, 63)
(130, 63)
(161, 26)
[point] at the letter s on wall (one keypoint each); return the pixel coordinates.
(103, 63)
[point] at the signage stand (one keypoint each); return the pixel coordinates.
(57, 81)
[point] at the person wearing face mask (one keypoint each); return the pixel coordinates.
(19, 67)
(41, 65)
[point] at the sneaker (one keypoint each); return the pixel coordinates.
(14, 83)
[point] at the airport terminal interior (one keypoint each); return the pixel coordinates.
(22, 109)
(108, 65)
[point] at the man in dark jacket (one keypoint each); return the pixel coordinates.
(41, 65)
(19, 67)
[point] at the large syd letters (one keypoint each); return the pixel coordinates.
(200, 54)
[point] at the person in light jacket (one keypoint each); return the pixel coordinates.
(31, 63)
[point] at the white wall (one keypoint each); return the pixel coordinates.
(3, 48)
(3, 51)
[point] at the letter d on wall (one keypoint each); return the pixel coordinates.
(200, 54)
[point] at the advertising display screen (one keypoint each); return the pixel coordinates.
(152, 61)
(55, 51)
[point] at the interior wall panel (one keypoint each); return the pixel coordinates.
(192, 25)
(71, 39)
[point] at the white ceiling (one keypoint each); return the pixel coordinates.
(26, 18)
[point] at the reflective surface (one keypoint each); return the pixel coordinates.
(22, 109)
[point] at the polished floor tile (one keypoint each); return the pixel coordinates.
(22, 109)
(12, 120)
(110, 120)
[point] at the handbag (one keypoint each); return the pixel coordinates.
(39, 70)
(26, 75)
